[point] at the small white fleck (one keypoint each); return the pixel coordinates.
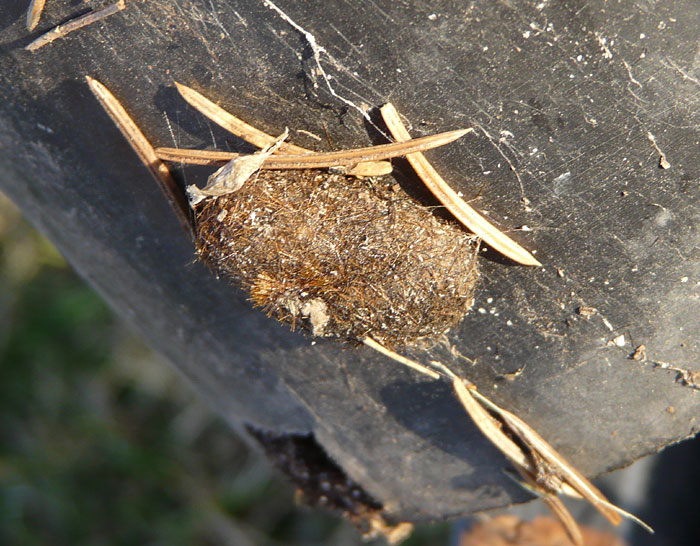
(525, 228)
(482, 310)
(684, 279)
(398, 70)
(485, 48)
(509, 322)
(432, 17)
(579, 58)
(642, 35)
(460, 194)
(562, 177)
(490, 300)
(526, 34)
(620, 341)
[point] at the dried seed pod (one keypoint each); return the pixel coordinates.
(346, 258)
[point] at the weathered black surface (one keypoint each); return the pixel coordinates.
(568, 94)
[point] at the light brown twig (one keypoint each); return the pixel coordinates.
(143, 148)
(447, 196)
(316, 160)
(73, 25)
(253, 135)
(231, 123)
(546, 472)
(34, 13)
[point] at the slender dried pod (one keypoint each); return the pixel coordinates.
(34, 13)
(546, 471)
(144, 150)
(447, 196)
(318, 160)
(231, 123)
(217, 158)
(554, 461)
(259, 138)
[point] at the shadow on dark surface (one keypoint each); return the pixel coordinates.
(202, 132)
(672, 501)
(437, 416)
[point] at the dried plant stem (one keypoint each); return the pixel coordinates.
(544, 469)
(456, 205)
(568, 473)
(257, 137)
(316, 160)
(145, 151)
(72, 25)
(555, 506)
(402, 359)
(34, 13)
(231, 123)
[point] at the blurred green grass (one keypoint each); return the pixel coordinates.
(101, 443)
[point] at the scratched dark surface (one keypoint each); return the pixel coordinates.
(568, 99)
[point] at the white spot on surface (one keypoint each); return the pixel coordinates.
(620, 341)
(663, 217)
(563, 177)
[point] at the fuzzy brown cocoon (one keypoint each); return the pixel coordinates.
(344, 257)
